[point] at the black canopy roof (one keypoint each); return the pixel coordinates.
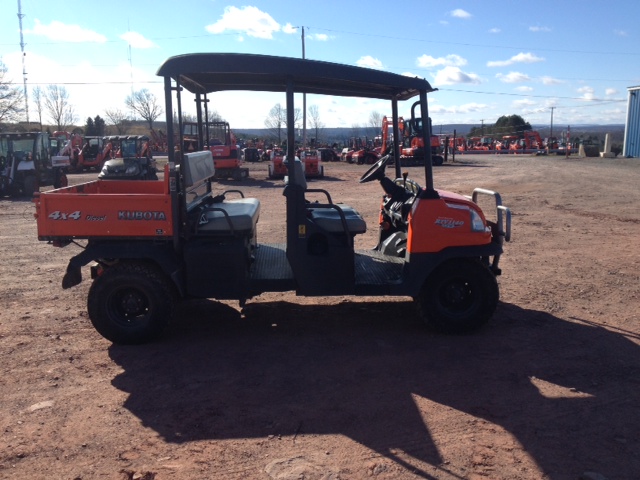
(211, 72)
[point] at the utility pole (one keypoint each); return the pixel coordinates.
(551, 129)
(24, 70)
(482, 128)
(304, 104)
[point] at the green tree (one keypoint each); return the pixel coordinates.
(99, 125)
(505, 125)
(89, 127)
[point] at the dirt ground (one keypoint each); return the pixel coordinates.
(347, 388)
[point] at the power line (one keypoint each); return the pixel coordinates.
(478, 45)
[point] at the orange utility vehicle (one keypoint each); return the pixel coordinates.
(153, 243)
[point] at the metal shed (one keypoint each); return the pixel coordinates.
(632, 126)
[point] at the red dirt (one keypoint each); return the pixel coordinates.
(347, 388)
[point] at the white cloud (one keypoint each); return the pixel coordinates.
(587, 93)
(525, 102)
(453, 75)
(546, 80)
(136, 40)
(321, 37)
(249, 20)
(513, 77)
(288, 28)
(427, 61)
(621, 33)
(610, 91)
(539, 29)
(519, 58)
(460, 13)
(458, 109)
(524, 88)
(61, 32)
(92, 89)
(494, 30)
(370, 62)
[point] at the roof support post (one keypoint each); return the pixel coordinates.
(168, 117)
(396, 136)
(291, 132)
(426, 138)
(198, 101)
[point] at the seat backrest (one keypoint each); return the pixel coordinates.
(299, 174)
(198, 167)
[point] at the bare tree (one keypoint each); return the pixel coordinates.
(145, 104)
(355, 129)
(56, 103)
(276, 121)
(375, 122)
(38, 97)
(314, 121)
(118, 119)
(11, 98)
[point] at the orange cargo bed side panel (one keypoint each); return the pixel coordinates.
(105, 208)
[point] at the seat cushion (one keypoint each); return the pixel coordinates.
(329, 219)
(243, 213)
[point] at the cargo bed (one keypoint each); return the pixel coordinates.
(105, 209)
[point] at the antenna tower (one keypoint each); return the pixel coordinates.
(24, 69)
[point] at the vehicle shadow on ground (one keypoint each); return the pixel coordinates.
(566, 390)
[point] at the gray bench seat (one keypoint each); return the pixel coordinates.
(231, 216)
(330, 220)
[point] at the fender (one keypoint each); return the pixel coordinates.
(420, 265)
(161, 254)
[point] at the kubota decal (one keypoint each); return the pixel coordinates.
(141, 215)
(446, 222)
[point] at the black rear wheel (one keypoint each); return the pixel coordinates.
(459, 296)
(130, 303)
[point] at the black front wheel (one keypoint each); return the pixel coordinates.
(130, 303)
(459, 296)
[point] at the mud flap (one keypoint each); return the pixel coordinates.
(72, 278)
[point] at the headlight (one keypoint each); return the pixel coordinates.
(477, 225)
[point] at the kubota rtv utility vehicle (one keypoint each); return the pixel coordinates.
(152, 243)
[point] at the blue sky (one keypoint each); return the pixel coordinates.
(487, 58)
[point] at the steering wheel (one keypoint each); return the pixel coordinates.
(376, 171)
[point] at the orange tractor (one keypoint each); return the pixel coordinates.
(412, 141)
(277, 167)
(217, 137)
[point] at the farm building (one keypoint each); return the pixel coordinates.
(632, 126)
